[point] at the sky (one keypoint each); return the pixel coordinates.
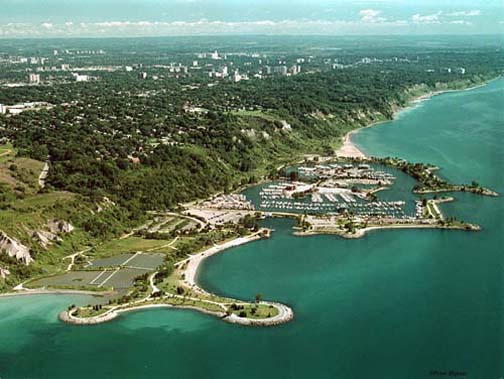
(135, 18)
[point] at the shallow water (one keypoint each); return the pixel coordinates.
(396, 304)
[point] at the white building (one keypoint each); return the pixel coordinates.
(2, 109)
(81, 78)
(294, 70)
(237, 77)
(222, 72)
(34, 78)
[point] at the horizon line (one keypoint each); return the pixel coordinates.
(256, 35)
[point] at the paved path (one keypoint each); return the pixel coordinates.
(72, 258)
(43, 175)
(154, 288)
(170, 245)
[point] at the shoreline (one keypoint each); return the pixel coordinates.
(349, 149)
(28, 292)
(362, 232)
(194, 261)
(189, 273)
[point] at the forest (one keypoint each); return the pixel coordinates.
(150, 144)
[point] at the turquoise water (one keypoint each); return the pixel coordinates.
(397, 304)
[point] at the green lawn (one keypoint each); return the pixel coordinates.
(257, 311)
(6, 152)
(30, 213)
(261, 114)
(128, 245)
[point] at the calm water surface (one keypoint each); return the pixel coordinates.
(396, 304)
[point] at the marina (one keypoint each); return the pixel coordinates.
(334, 188)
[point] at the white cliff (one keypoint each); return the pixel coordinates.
(15, 249)
(3, 273)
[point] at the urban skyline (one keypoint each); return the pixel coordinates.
(136, 18)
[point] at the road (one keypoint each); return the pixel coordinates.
(72, 258)
(43, 175)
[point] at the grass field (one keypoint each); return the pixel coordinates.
(261, 114)
(114, 261)
(6, 152)
(30, 213)
(258, 311)
(19, 172)
(43, 200)
(128, 245)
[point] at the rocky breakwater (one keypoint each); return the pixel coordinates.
(285, 314)
(70, 318)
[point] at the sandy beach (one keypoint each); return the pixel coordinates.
(192, 263)
(349, 149)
